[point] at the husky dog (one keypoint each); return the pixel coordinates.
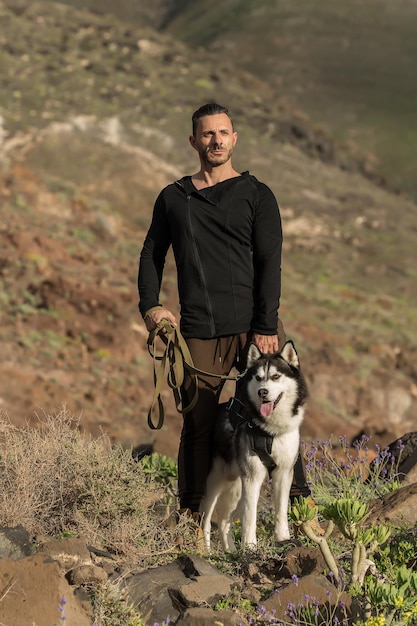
(256, 434)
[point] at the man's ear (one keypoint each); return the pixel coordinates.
(191, 139)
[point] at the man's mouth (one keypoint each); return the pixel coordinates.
(267, 408)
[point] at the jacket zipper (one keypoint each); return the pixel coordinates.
(200, 269)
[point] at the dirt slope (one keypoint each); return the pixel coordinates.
(70, 331)
(93, 122)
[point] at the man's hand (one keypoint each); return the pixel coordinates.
(267, 344)
(154, 316)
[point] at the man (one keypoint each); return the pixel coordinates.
(225, 230)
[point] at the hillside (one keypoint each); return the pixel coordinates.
(95, 120)
(349, 65)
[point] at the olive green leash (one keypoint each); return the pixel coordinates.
(176, 358)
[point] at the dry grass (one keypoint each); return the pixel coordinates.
(54, 481)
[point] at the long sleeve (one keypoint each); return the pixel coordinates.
(152, 257)
(267, 250)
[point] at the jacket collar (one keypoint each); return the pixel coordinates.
(212, 194)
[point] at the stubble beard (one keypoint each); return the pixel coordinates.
(215, 161)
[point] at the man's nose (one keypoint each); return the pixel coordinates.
(217, 139)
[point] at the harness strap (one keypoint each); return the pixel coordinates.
(177, 357)
(261, 444)
(260, 441)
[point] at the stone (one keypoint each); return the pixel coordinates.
(204, 590)
(148, 591)
(15, 543)
(68, 553)
(34, 591)
(313, 586)
(166, 592)
(87, 574)
(302, 561)
(207, 617)
(404, 450)
(398, 507)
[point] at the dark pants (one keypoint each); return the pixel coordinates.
(216, 356)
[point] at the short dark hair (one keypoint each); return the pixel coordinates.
(212, 108)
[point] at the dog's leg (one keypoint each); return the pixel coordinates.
(227, 505)
(251, 488)
(281, 484)
(213, 490)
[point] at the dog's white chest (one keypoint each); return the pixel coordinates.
(285, 449)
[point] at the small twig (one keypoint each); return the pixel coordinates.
(6, 590)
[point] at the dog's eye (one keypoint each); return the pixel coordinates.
(275, 376)
(259, 378)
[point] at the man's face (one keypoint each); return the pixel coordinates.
(214, 139)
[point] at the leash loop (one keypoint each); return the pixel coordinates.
(176, 357)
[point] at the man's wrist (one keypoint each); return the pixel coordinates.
(149, 311)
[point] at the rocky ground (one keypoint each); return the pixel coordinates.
(40, 585)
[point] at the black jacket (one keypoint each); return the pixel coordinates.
(227, 242)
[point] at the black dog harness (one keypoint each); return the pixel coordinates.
(260, 441)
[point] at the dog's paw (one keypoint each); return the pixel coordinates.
(282, 532)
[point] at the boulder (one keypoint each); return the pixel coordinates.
(34, 591)
(316, 587)
(398, 507)
(15, 543)
(68, 553)
(404, 450)
(168, 591)
(208, 617)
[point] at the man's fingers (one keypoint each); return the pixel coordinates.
(155, 317)
(267, 344)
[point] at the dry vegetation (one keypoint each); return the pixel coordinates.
(56, 482)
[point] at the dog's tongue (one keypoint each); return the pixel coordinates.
(266, 409)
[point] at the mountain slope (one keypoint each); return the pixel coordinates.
(350, 65)
(95, 121)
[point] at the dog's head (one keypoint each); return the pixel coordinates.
(275, 385)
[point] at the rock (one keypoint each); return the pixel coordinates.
(166, 592)
(193, 565)
(148, 591)
(35, 592)
(15, 543)
(68, 553)
(208, 617)
(53, 583)
(87, 574)
(204, 590)
(302, 561)
(398, 507)
(404, 450)
(312, 586)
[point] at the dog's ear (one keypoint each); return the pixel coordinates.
(253, 355)
(289, 354)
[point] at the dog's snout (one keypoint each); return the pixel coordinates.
(263, 393)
